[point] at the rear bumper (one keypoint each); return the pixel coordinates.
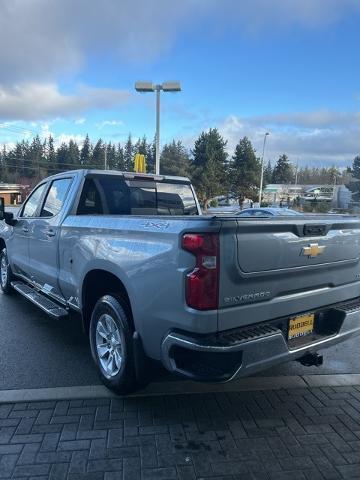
(242, 352)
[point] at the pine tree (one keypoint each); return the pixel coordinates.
(73, 155)
(354, 185)
(245, 171)
(119, 158)
(129, 155)
(85, 155)
(111, 156)
(98, 155)
(268, 173)
(151, 156)
(62, 158)
(283, 172)
(209, 166)
(50, 155)
(174, 160)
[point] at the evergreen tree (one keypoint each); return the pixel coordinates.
(151, 156)
(111, 156)
(174, 160)
(62, 158)
(73, 155)
(36, 157)
(245, 171)
(268, 173)
(354, 185)
(129, 155)
(98, 155)
(119, 158)
(51, 154)
(209, 166)
(283, 172)
(85, 155)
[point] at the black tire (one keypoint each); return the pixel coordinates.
(122, 381)
(6, 275)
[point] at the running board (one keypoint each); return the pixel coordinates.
(40, 300)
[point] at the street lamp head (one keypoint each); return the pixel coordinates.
(266, 134)
(171, 87)
(144, 87)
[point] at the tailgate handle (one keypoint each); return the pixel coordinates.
(314, 230)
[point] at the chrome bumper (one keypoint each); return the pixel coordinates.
(258, 350)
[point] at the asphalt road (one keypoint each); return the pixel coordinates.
(37, 351)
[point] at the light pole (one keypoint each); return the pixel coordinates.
(262, 168)
(144, 87)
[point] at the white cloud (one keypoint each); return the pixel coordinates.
(80, 121)
(41, 39)
(66, 137)
(33, 101)
(109, 123)
(322, 138)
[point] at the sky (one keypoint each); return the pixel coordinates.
(246, 67)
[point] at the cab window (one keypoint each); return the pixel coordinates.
(33, 202)
(55, 197)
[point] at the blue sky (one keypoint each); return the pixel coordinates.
(290, 67)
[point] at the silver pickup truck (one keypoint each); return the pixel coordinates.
(211, 298)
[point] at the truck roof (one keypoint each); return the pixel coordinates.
(129, 175)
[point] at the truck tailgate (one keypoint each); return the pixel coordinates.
(272, 268)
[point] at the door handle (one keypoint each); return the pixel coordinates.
(25, 229)
(50, 233)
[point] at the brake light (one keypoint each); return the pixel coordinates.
(202, 284)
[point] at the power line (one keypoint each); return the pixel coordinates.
(46, 163)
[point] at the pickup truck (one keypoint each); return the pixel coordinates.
(212, 298)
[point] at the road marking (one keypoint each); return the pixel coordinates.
(181, 387)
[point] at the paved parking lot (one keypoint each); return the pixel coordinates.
(294, 434)
(37, 351)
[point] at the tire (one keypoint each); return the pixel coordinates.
(112, 344)
(6, 275)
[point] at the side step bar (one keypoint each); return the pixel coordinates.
(40, 300)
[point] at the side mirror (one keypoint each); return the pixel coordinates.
(2, 208)
(9, 218)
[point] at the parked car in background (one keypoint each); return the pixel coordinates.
(266, 212)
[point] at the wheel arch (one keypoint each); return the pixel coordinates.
(96, 283)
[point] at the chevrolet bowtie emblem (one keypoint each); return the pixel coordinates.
(313, 250)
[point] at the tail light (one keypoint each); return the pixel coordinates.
(202, 284)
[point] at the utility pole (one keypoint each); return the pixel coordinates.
(105, 158)
(262, 169)
(296, 172)
(144, 87)
(157, 141)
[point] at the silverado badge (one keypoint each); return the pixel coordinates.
(313, 250)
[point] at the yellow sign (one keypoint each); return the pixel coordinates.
(301, 326)
(139, 164)
(313, 250)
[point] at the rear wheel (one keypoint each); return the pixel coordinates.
(112, 345)
(6, 275)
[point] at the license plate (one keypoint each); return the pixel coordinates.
(301, 326)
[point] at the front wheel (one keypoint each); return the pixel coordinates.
(5, 273)
(112, 346)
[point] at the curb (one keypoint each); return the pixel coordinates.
(182, 387)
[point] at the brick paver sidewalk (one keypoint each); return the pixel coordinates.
(285, 434)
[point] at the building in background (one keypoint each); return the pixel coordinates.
(338, 196)
(12, 193)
